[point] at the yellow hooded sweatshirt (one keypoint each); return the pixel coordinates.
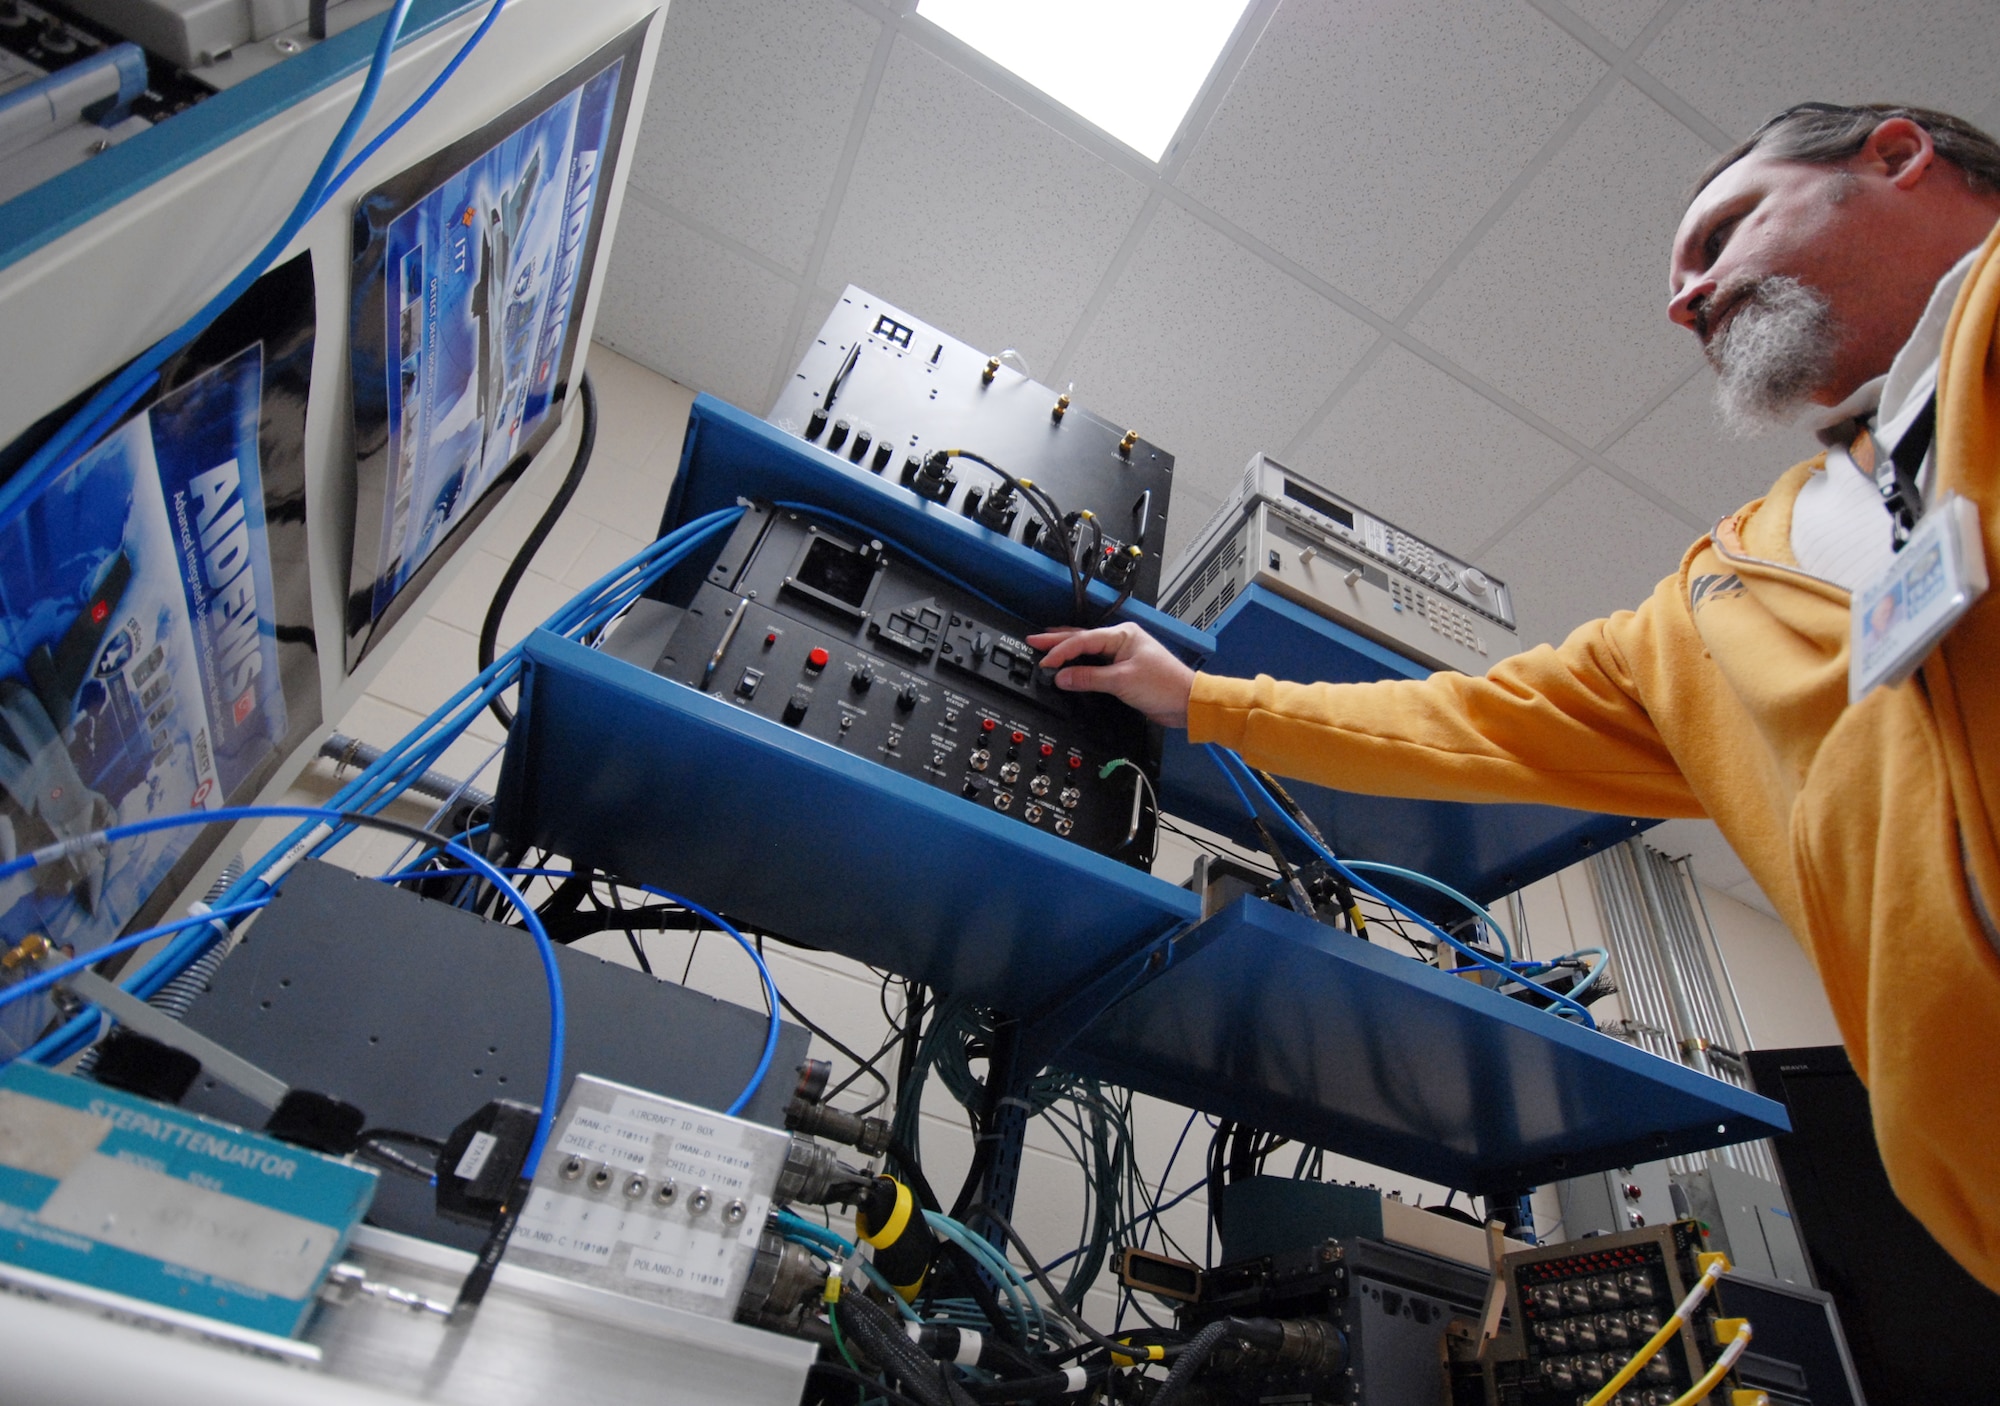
(1724, 695)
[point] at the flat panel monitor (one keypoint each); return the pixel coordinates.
(469, 276)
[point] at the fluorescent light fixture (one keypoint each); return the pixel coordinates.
(1132, 67)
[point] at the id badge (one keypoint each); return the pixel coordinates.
(1899, 617)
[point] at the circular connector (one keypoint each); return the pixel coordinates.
(1064, 825)
(1032, 813)
(1003, 800)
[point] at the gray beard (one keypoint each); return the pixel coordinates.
(1775, 352)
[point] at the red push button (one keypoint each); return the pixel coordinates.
(1075, 762)
(1048, 749)
(817, 660)
(986, 724)
(1019, 737)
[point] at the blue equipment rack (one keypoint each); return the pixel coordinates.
(1255, 1013)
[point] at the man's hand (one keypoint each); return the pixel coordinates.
(1123, 661)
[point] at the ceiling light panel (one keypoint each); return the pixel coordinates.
(1130, 67)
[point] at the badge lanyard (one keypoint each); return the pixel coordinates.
(1938, 572)
(1896, 474)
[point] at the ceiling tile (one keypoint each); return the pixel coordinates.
(1617, 20)
(691, 309)
(1739, 63)
(1594, 548)
(750, 107)
(1563, 303)
(974, 215)
(1683, 450)
(1211, 353)
(1364, 141)
(1430, 454)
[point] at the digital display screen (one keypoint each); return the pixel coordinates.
(1318, 504)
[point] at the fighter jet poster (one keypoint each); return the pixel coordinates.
(469, 280)
(138, 658)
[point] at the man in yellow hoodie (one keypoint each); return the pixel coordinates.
(1843, 261)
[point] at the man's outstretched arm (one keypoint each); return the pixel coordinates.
(1562, 726)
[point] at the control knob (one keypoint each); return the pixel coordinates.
(1475, 581)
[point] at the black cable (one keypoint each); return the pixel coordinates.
(842, 1372)
(840, 376)
(489, 630)
(369, 1146)
(1039, 1387)
(388, 1160)
(638, 947)
(1192, 1359)
(1049, 511)
(429, 1144)
(883, 1339)
(802, 1018)
(1166, 823)
(1068, 1314)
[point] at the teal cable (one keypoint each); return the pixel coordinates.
(1368, 866)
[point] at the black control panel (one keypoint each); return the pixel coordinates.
(1587, 1307)
(829, 632)
(888, 392)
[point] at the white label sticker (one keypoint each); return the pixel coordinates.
(607, 1138)
(677, 1122)
(753, 1224)
(43, 1138)
(721, 1169)
(676, 1255)
(476, 1152)
(150, 1213)
(569, 1227)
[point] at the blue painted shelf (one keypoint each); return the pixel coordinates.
(617, 767)
(1271, 1019)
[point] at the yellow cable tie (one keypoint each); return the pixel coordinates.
(832, 1294)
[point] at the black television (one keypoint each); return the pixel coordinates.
(470, 274)
(1919, 1327)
